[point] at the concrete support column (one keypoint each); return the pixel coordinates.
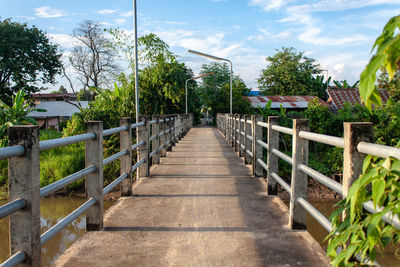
(236, 134)
(297, 215)
(241, 139)
(155, 143)
(272, 159)
(144, 150)
(94, 181)
(163, 137)
(125, 143)
(354, 132)
(247, 142)
(24, 182)
(258, 170)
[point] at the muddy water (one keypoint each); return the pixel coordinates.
(52, 211)
(387, 258)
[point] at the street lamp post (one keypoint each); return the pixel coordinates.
(230, 73)
(327, 76)
(194, 78)
(136, 61)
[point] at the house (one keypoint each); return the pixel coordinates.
(38, 98)
(254, 93)
(296, 103)
(337, 97)
(56, 112)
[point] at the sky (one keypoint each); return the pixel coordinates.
(338, 34)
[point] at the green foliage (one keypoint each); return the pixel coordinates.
(290, 73)
(215, 90)
(387, 57)
(14, 114)
(26, 58)
(345, 85)
(392, 86)
(367, 232)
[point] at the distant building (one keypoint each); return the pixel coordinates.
(54, 97)
(56, 111)
(289, 102)
(338, 97)
(254, 93)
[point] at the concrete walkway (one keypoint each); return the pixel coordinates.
(200, 207)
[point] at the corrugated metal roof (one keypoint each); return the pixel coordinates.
(340, 96)
(289, 102)
(57, 109)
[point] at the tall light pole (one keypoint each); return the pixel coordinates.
(327, 76)
(230, 73)
(136, 61)
(194, 78)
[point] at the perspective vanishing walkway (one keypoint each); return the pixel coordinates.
(200, 207)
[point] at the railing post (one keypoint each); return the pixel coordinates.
(236, 134)
(241, 140)
(24, 182)
(258, 170)
(169, 135)
(173, 120)
(232, 130)
(94, 181)
(354, 132)
(247, 142)
(143, 150)
(163, 138)
(272, 159)
(297, 215)
(155, 143)
(226, 127)
(125, 141)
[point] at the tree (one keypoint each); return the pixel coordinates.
(345, 85)
(289, 73)
(392, 86)
(215, 90)
(26, 58)
(92, 59)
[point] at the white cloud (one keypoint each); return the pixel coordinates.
(48, 12)
(26, 17)
(312, 35)
(103, 23)
(120, 21)
(127, 14)
(64, 40)
(268, 5)
(106, 11)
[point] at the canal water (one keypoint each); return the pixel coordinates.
(54, 209)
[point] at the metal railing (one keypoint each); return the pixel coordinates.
(23, 155)
(357, 142)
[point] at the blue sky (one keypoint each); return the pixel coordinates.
(338, 33)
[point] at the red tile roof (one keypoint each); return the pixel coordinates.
(340, 96)
(289, 102)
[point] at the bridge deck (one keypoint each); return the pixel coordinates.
(200, 207)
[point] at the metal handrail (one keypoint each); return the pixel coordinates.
(261, 143)
(114, 130)
(46, 236)
(114, 183)
(47, 190)
(153, 137)
(262, 124)
(323, 138)
(153, 153)
(282, 129)
(378, 150)
(11, 207)
(11, 151)
(316, 214)
(115, 157)
(249, 153)
(14, 260)
(282, 155)
(325, 180)
(135, 125)
(249, 137)
(133, 147)
(54, 143)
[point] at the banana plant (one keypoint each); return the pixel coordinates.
(15, 114)
(345, 85)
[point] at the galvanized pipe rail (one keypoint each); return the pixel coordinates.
(24, 165)
(357, 142)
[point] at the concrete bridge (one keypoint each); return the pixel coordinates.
(201, 206)
(202, 196)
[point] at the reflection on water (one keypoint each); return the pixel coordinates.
(387, 258)
(52, 211)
